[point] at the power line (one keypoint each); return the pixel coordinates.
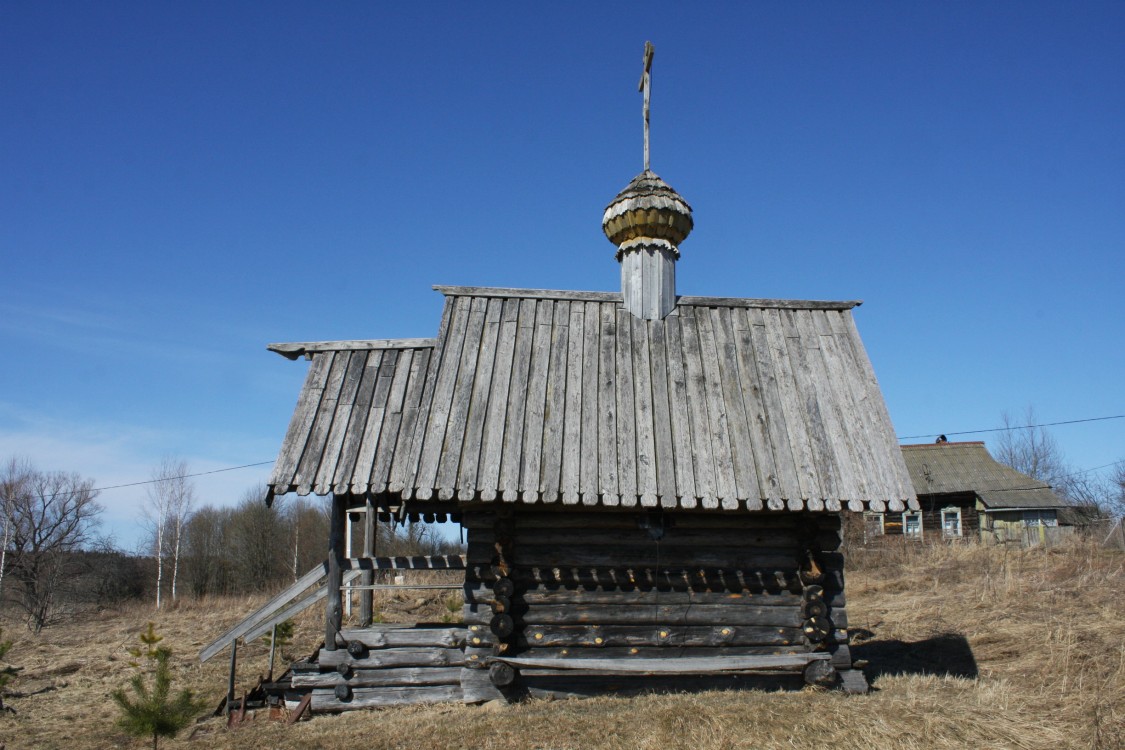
(162, 479)
(1008, 429)
(198, 473)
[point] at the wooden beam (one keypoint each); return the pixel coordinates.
(293, 350)
(295, 608)
(418, 562)
(334, 614)
(367, 577)
(690, 665)
(267, 609)
(558, 294)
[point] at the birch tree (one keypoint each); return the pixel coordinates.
(171, 498)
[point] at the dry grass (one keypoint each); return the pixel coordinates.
(969, 647)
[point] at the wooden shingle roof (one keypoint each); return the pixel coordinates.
(536, 396)
(954, 468)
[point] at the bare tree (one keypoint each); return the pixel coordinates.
(1030, 449)
(171, 498)
(51, 517)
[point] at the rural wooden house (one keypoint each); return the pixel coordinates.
(964, 493)
(651, 485)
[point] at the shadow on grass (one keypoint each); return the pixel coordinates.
(947, 654)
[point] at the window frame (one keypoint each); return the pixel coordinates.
(946, 531)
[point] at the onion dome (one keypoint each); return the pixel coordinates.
(648, 212)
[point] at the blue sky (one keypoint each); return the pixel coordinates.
(182, 183)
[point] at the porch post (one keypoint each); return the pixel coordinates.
(333, 618)
(367, 577)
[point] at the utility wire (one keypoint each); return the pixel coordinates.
(1008, 429)
(162, 479)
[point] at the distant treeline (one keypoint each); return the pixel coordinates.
(252, 548)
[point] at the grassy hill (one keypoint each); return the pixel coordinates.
(968, 647)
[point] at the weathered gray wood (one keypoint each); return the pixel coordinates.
(453, 444)
(535, 397)
(771, 537)
(626, 419)
(644, 577)
(476, 687)
(388, 375)
(338, 430)
(590, 479)
(776, 421)
(853, 681)
(678, 409)
(293, 609)
(334, 612)
(655, 635)
(768, 304)
(511, 460)
(792, 408)
(324, 699)
(417, 562)
(746, 454)
(262, 613)
(407, 443)
(699, 665)
(718, 419)
(405, 379)
(667, 614)
(358, 421)
(404, 637)
(231, 674)
(391, 658)
(664, 461)
(771, 483)
(561, 555)
(652, 596)
(473, 450)
(367, 577)
(305, 475)
(477, 291)
(829, 402)
(569, 481)
(492, 441)
(607, 407)
(644, 411)
(849, 411)
(301, 422)
(293, 350)
(554, 406)
(815, 420)
(442, 399)
(406, 676)
(583, 519)
(699, 418)
(666, 651)
(403, 474)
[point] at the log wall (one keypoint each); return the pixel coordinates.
(638, 584)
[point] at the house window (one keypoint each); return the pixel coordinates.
(1040, 518)
(872, 525)
(951, 523)
(912, 525)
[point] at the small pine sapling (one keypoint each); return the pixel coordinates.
(155, 711)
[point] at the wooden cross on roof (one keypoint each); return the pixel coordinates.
(646, 86)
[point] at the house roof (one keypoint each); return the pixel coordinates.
(538, 396)
(947, 468)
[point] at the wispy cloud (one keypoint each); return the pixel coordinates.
(117, 454)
